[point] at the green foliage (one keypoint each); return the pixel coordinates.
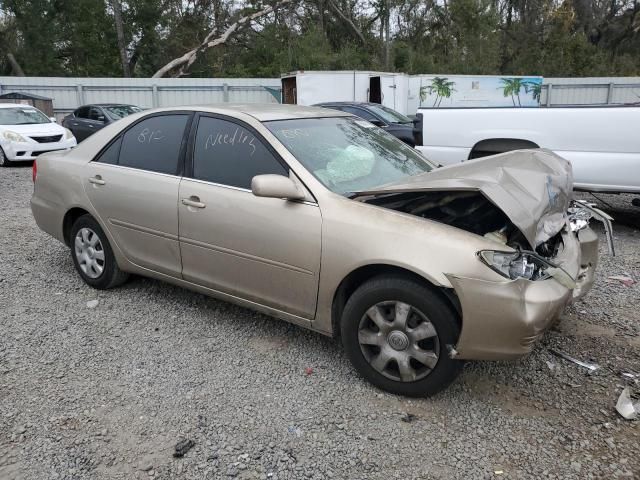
(503, 37)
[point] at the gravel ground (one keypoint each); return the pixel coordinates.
(106, 392)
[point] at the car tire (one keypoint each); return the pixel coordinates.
(4, 161)
(92, 255)
(409, 357)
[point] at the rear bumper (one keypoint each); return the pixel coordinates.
(503, 320)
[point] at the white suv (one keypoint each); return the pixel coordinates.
(26, 132)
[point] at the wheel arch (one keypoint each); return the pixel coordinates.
(357, 277)
(492, 146)
(68, 220)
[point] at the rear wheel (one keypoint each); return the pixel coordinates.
(92, 255)
(4, 161)
(396, 332)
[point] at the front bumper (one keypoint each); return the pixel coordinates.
(503, 320)
(29, 150)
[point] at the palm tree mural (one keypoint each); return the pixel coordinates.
(512, 86)
(535, 88)
(441, 86)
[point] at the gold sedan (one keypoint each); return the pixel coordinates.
(326, 221)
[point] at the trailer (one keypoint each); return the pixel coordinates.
(308, 88)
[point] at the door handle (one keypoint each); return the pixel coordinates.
(74, 124)
(193, 201)
(97, 180)
(90, 126)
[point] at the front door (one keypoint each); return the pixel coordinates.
(133, 186)
(264, 250)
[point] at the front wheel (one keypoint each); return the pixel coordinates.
(4, 161)
(92, 255)
(396, 332)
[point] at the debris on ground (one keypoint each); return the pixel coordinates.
(629, 375)
(592, 367)
(408, 417)
(297, 431)
(623, 279)
(626, 407)
(182, 447)
(308, 371)
(92, 303)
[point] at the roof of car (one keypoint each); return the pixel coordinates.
(354, 104)
(14, 105)
(106, 105)
(276, 111)
(262, 112)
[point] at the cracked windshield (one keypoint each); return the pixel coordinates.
(348, 155)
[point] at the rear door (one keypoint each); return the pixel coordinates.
(95, 121)
(265, 250)
(133, 186)
(78, 124)
(388, 90)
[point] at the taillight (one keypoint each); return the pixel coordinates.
(34, 171)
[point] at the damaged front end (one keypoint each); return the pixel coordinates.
(545, 251)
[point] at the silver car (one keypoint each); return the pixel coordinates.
(326, 221)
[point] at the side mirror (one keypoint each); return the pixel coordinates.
(378, 123)
(101, 118)
(53, 119)
(275, 186)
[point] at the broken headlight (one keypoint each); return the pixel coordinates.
(524, 264)
(509, 264)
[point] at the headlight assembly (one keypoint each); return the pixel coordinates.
(524, 264)
(68, 134)
(13, 136)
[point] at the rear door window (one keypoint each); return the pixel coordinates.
(154, 144)
(82, 112)
(230, 154)
(110, 155)
(360, 112)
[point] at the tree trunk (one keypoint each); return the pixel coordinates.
(122, 47)
(346, 20)
(15, 66)
(387, 29)
(185, 61)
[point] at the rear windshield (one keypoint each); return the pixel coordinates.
(22, 116)
(121, 111)
(347, 154)
(388, 115)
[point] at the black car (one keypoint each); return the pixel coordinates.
(397, 124)
(88, 119)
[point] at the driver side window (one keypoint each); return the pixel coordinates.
(229, 154)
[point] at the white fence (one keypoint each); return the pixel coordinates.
(590, 91)
(69, 93)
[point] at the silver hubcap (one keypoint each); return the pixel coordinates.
(89, 252)
(399, 341)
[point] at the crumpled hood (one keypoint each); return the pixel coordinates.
(532, 187)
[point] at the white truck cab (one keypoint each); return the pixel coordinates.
(602, 143)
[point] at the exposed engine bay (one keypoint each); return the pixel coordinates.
(467, 210)
(473, 212)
